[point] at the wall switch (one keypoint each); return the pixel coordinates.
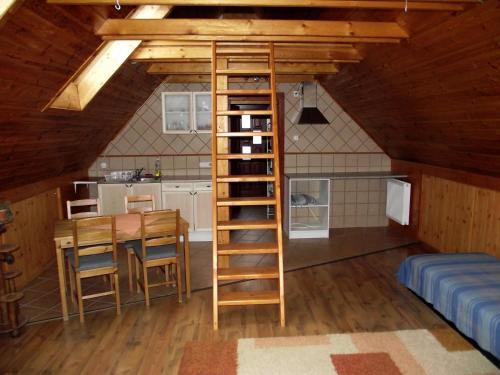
(205, 164)
(295, 138)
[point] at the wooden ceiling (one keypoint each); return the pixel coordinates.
(432, 97)
(436, 98)
(40, 47)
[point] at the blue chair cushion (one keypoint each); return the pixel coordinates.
(156, 252)
(90, 262)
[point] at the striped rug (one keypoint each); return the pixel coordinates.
(432, 352)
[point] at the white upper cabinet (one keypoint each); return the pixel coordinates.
(176, 109)
(186, 112)
(202, 112)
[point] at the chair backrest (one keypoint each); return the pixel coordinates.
(94, 235)
(160, 228)
(83, 203)
(141, 199)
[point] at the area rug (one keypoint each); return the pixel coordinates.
(421, 351)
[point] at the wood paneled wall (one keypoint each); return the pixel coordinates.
(41, 46)
(36, 207)
(456, 217)
(33, 230)
(435, 98)
(456, 211)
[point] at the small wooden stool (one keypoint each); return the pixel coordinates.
(6, 251)
(16, 322)
(9, 280)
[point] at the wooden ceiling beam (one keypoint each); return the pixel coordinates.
(353, 4)
(5, 6)
(318, 40)
(206, 78)
(176, 43)
(160, 53)
(81, 88)
(281, 68)
(241, 28)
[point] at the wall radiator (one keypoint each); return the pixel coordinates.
(398, 201)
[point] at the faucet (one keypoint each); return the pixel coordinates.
(138, 173)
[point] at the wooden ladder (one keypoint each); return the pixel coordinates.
(223, 223)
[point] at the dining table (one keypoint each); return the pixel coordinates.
(128, 227)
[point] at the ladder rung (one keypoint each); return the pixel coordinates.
(254, 112)
(244, 92)
(242, 248)
(246, 134)
(247, 273)
(244, 156)
(243, 51)
(238, 224)
(246, 178)
(246, 201)
(249, 298)
(243, 72)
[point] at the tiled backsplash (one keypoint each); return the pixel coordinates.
(340, 146)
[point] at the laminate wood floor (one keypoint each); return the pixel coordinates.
(42, 300)
(359, 294)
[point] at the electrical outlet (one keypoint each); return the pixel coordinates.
(295, 138)
(205, 164)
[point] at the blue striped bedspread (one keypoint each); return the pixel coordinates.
(464, 287)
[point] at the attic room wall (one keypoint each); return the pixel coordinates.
(341, 146)
(41, 46)
(433, 99)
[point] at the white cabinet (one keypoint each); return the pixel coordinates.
(202, 112)
(194, 199)
(182, 200)
(112, 196)
(186, 112)
(307, 207)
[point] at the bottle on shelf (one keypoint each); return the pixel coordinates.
(157, 168)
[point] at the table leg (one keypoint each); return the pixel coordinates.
(62, 279)
(187, 262)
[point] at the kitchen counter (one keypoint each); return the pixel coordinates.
(101, 180)
(345, 175)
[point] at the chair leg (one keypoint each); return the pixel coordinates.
(71, 277)
(137, 275)
(117, 293)
(178, 283)
(80, 300)
(167, 278)
(130, 260)
(146, 284)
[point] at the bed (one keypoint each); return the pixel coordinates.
(464, 287)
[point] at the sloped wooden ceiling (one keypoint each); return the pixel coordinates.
(41, 46)
(435, 98)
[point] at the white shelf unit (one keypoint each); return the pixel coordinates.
(186, 112)
(307, 207)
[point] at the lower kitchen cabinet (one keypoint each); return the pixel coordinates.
(194, 199)
(112, 196)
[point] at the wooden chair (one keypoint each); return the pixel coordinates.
(83, 203)
(133, 200)
(94, 254)
(159, 247)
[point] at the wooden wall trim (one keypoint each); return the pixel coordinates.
(26, 191)
(452, 210)
(474, 179)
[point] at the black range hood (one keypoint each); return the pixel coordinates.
(309, 113)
